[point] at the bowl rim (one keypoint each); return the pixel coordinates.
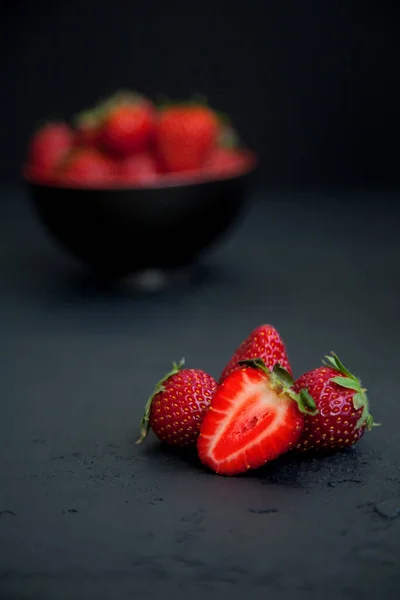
(166, 181)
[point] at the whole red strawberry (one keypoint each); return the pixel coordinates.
(128, 124)
(343, 414)
(177, 406)
(85, 167)
(263, 342)
(254, 417)
(186, 135)
(138, 169)
(48, 146)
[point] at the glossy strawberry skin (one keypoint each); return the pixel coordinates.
(263, 342)
(177, 411)
(247, 424)
(335, 426)
(128, 128)
(185, 137)
(48, 146)
(86, 168)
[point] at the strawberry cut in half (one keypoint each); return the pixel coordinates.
(254, 417)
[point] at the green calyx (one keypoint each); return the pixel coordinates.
(145, 422)
(97, 114)
(282, 382)
(349, 381)
(228, 137)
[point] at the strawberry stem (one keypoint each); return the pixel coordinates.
(282, 382)
(349, 381)
(145, 422)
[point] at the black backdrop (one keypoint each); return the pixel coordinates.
(311, 84)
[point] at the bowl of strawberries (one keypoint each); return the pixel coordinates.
(130, 185)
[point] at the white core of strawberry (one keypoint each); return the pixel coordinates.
(255, 401)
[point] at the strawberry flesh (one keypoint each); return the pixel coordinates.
(251, 421)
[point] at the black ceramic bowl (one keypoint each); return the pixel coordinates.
(120, 230)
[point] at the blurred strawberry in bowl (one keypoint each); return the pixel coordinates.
(48, 146)
(186, 135)
(87, 128)
(143, 144)
(138, 169)
(224, 162)
(131, 185)
(85, 167)
(127, 124)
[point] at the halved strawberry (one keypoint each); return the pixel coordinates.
(254, 416)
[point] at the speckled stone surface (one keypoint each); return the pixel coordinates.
(85, 514)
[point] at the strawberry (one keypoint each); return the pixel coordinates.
(138, 168)
(343, 415)
(186, 135)
(87, 128)
(263, 342)
(128, 124)
(85, 167)
(177, 406)
(48, 146)
(224, 162)
(254, 417)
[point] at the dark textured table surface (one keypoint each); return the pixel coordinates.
(87, 514)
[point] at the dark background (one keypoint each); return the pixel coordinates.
(85, 513)
(313, 86)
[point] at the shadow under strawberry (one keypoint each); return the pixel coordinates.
(293, 469)
(306, 470)
(165, 453)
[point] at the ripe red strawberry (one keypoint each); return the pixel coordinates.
(343, 413)
(86, 167)
(254, 417)
(224, 162)
(177, 406)
(48, 146)
(186, 135)
(138, 168)
(128, 124)
(263, 342)
(87, 128)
